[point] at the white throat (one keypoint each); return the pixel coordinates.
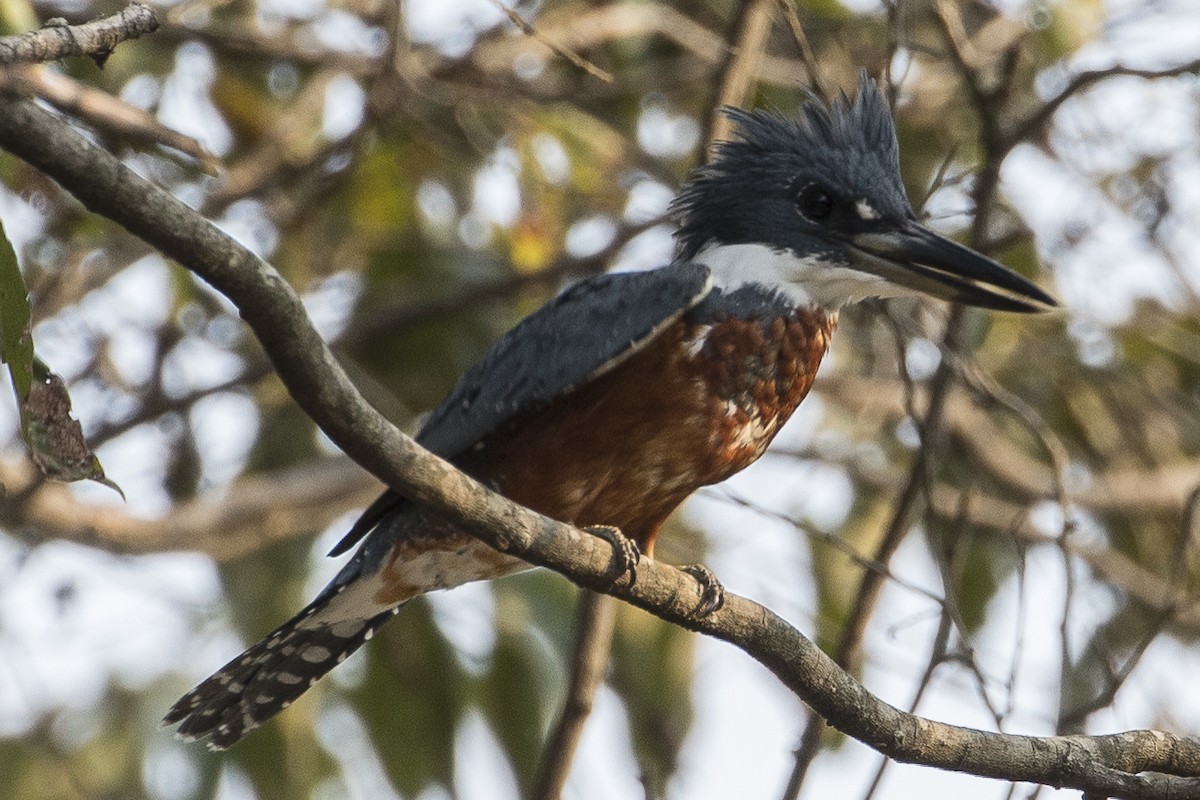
(808, 281)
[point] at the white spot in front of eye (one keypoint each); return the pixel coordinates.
(866, 210)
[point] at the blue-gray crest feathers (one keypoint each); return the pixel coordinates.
(849, 145)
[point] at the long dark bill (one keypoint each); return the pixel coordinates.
(916, 257)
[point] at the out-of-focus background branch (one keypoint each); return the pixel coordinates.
(427, 173)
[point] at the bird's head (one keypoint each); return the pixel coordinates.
(815, 206)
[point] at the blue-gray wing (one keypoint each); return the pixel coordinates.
(580, 334)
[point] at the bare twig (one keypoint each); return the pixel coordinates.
(937, 656)
(96, 39)
(529, 30)
(576, 29)
(104, 112)
(807, 57)
(871, 584)
(242, 518)
(593, 642)
(735, 75)
(833, 540)
(1073, 718)
(1029, 127)
(243, 37)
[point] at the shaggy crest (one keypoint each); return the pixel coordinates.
(851, 140)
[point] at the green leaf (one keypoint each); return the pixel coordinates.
(53, 436)
(16, 343)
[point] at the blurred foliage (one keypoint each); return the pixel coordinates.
(363, 163)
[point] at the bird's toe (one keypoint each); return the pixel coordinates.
(712, 593)
(626, 554)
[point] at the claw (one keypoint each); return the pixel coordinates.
(625, 551)
(712, 593)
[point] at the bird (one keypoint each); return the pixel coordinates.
(612, 403)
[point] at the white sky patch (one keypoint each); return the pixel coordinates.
(481, 768)
(648, 200)
(604, 765)
(663, 133)
(948, 209)
(170, 771)
(451, 27)
(1145, 34)
(139, 295)
(247, 221)
(142, 91)
(343, 734)
(466, 616)
(134, 461)
(497, 191)
(185, 104)
(225, 426)
(330, 302)
(345, 105)
(651, 248)
(291, 9)
(921, 358)
(340, 30)
(23, 222)
(79, 617)
(196, 363)
(1109, 264)
(552, 158)
(437, 204)
(590, 235)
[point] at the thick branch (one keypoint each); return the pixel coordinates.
(97, 39)
(1103, 765)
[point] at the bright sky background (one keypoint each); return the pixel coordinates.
(134, 617)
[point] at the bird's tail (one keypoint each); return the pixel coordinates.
(266, 678)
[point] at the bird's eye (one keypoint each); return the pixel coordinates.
(815, 201)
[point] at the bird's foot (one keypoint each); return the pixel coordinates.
(626, 554)
(712, 593)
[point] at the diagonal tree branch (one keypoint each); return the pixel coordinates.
(1137, 764)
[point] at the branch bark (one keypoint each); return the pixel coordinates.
(96, 39)
(1137, 764)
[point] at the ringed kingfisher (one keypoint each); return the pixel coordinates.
(616, 400)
